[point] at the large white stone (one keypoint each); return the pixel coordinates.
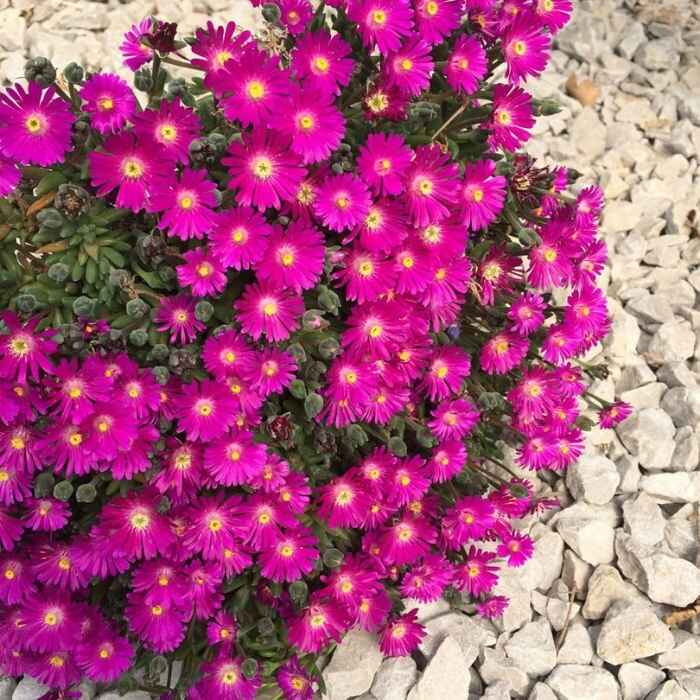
(394, 678)
(594, 478)
(29, 689)
(352, 668)
(469, 635)
(578, 682)
(648, 435)
(638, 680)
(445, 676)
(632, 631)
(606, 587)
(644, 520)
(532, 648)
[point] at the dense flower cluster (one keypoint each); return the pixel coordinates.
(270, 333)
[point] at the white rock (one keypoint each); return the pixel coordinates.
(544, 567)
(638, 680)
(644, 519)
(606, 587)
(685, 655)
(518, 611)
(13, 28)
(575, 572)
(647, 396)
(444, 676)
(588, 133)
(461, 629)
(678, 487)
(587, 533)
(427, 611)
(673, 341)
(577, 647)
(648, 435)
(133, 695)
(683, 405)
(593, 478)
(352, 668)
(498, 691)
(7, 687)
(29, 689)
(620, 216)
(577, 682)
(532, 648)
(686, 455)
(681, 533)
(689, 681)
(632, 631)
(495, 666)
(541, 691)
(621, 342)
(628, 469)
(670, 690)
(394, 678)
(663, 577)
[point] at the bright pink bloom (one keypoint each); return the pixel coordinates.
(323, 61)
(482, 195)
(503, 352)
(202, 272)
(342, 202)
(382, 23)
(239, 238)
(177, 315)
(262, 310)
(467, 65)
(294, 555)
(402, 635)
(526, 47)
(511, 119)
(109, 101)
(410, 67)
(133, 49)
(454, 419)
(383, 162)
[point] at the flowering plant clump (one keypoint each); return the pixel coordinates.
(268, 334)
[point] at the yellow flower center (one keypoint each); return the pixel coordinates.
(134, 391)
(343, 497)
(379, 102)
(186, 200)
(501, 346)
(222, 56)
(431, 8)
(168, 132)
(18, 443)
(404, 533)
(399, 631)
(287, 258)
(204, 407)
(407, 261)
(378, 17)
(105, 651)
(255, 89)
(321, 64)
(478, 195)
(298, 683)
(270, 308)
(342, 201)
(373, 220)
(21, 345)
(215, 525)
(550, 255)
(350, 377)
(317, 620)
(286, 550)
(375, 331)
(140, 520)
(132, 168)
(205, 269)
(229, 677)
(9, 574)
(51, 619)
(156, 610)
(57, 661)
(262, 167)
(519, 48)
(64, 563)
(406, 64)
(306, 122)
(264, 518)
(75, 439)
(365, 268)
(35, 123)
(239, 235)
(424, 187)
(463, 63)
(104, 104)
(503, 117)
(382, 166)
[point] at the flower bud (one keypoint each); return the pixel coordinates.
(159, 352)
(298, 389)
(162, 374)
(266, 626)
(298, 592)
(328, 300)
(397, 446)
(138, 337)
(425, 438)
(72, 200)
(328, 348)
(63, 490)
(74, 73)
(43, 484)
(84, 306)
(356, 436)
(143, 80)
(333, 558)
(85, 493)
(58, 272)
(271, 12)
(313, 320)
(157, 666)
(26, 303)
(313, 404)
(118, 278)
(136, 308)
(176, 88)
(297, 352)
(249, 667)
(490, 400)
(40, 70)
(50, 218)
(203, 311)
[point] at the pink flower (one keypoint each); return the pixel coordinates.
(383, 162)
(467, 65)
(293, 556)
(177, 315)
(263, 311)
(402, 635)
(323, 61)
(317, 625)
(202, 272)
(503, 352)
(526, 47)
(382, 23)
(109, 101)
(133, 49)
(239, 238)
(24, 352)
(482, 194)
(511, 118)
(186, 204)
(342, 202)
(205, 410)
(448, 367)
(454, 419)
(614, 414)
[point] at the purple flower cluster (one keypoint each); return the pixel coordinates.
(203, 494)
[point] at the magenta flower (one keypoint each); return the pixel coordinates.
(176, 316)
(24, 352)
(365, 275)
(614, 414)
(470, 519)
(172, 128)
(294, 257)
(160, 626)
(526, 313)
(205, 410)
(133, 48)
(476, 575)
(216, 46)
(106, 658)
(406, 540)
(401, 635)
(467, 65)
(271, 372)
(50, 622)
(384, 227)
(202, 272)
(224, 679)
(258, 88)
(226, 353)
(263, 311)
(448, 460)
(129, 166)
(343, 503)
(383, 162)
(56, 669)
(312, 122)
(294, 555)
(16, 580)
(431, 186)
(385, 101)
(45, 514)
(511, 119)
(437, 19)
(319, 624)
(35, 125)
(503, 352)
(454, 419)
(343, 201)
(10, 176)
(109, 102)
(448, 368)
(294, 682)
(553, 13)
(492, 607)
(410, 67)
(322, 61)
(382, 23)
(482, 194)
(239, 238)
(234, 459)
(427, 581)
(263, 169)
(11, 530)
(526, 47)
